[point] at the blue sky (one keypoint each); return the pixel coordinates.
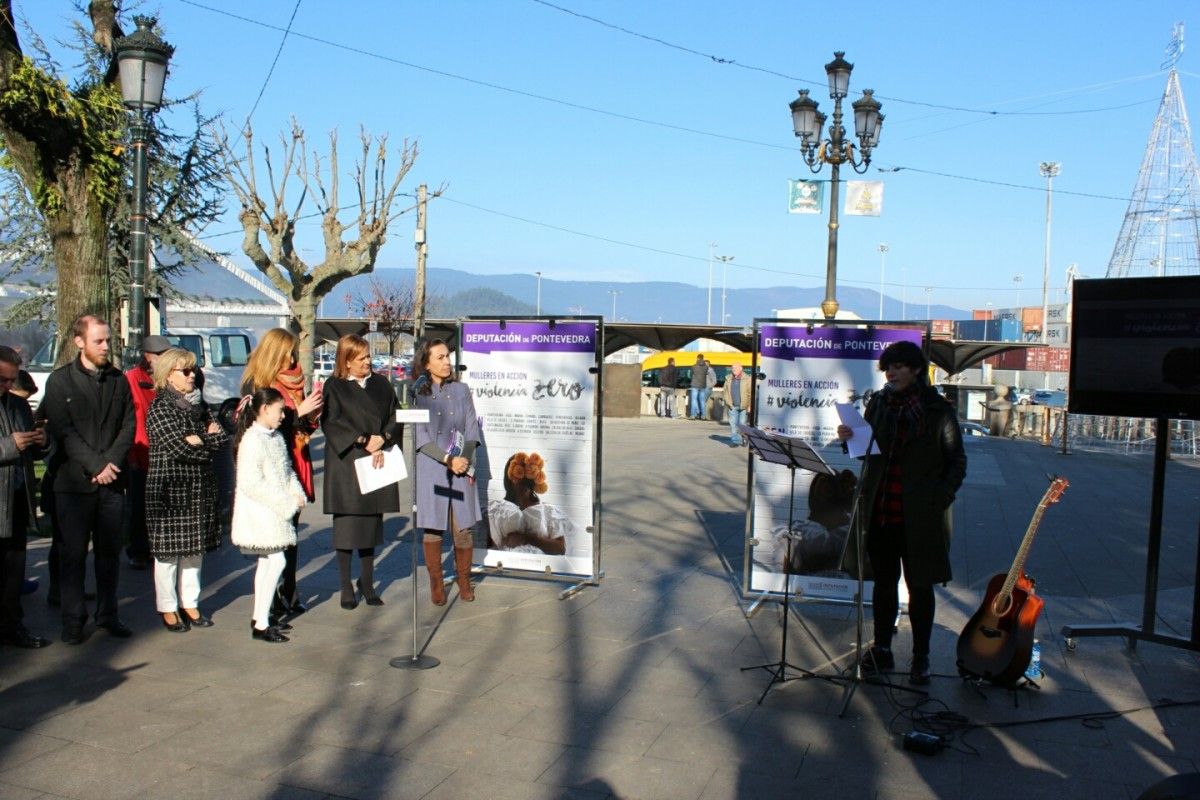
(671, 192)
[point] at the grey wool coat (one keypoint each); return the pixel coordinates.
(15, 416)
(932, 467)
(181, 485)
(450, 409)
(352, 411)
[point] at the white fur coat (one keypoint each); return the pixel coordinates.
(267, 495)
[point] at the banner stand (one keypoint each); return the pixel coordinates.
(418, 660)
(537, 389)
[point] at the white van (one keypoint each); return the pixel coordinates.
(221, 353)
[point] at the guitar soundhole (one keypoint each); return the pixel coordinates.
(1002, 605)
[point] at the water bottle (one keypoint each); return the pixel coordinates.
(1034, 671)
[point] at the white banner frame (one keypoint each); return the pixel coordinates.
(507, 379)
(810, 588)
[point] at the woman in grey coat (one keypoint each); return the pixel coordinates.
(445, 465)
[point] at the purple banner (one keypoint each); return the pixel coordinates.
(792, 342)
(533, 337)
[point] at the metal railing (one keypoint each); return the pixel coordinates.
(1113, 434)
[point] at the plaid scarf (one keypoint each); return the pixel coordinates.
(903, 414)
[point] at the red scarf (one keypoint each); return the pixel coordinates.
(297, 430)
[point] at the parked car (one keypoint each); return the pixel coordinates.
(970, 428)
(1056, 398)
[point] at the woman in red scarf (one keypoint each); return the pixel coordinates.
(275, 363)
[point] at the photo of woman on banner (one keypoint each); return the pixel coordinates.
(521, 522)
(818, 543)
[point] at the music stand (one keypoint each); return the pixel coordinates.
(794, 454)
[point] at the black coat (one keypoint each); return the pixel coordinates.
(932, 467)
(91, 422)
(350, 412)
(181, 486)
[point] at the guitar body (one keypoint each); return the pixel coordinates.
(997, 646)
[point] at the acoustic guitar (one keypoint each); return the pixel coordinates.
(997, 642)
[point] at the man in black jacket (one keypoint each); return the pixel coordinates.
(89, 411)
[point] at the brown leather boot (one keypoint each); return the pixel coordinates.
(462, 573)
(433, 562)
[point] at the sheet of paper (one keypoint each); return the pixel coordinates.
(856, 445)
(392, 471)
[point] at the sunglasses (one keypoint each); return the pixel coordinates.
(185, 370)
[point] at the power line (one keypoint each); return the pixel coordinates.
(735, 63)
(487, 84)
(274, 61)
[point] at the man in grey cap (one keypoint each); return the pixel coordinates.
(141, 384)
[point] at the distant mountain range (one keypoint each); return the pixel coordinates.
(463, 293)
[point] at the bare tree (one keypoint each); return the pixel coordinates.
(270, 228)
(391, 305)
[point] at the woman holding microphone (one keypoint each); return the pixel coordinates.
(359, 419)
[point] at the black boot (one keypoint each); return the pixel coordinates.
(366, 576)
(349, 599)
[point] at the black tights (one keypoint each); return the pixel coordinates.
(366, 569)
(885, 548)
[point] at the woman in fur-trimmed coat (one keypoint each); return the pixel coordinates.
(181, 488)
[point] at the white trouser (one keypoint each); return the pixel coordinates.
(266, 580)
(177, 583)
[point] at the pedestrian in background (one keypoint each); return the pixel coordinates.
(698, 389)
(736, 394)
(141, 387)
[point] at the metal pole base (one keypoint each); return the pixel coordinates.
(414, 662)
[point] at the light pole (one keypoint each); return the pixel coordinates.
(883, 248)
(708, 307)
(836, 150)
(539, 293)
(904, 293)
(1048, 169)
(142, 60)
(614, 293)
(1017, 282)
(724, 274)
(928, 292)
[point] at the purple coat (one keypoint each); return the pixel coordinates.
(450, 409)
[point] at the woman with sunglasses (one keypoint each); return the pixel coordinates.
(275, 364)
(181, 489)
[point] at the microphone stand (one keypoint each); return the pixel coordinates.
(857, 530)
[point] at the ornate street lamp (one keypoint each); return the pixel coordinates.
(142, 60)
(837, 149)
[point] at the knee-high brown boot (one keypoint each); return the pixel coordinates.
(462, 573)
(433, 562)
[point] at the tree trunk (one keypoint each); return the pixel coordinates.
(78, 238)
(304, 311)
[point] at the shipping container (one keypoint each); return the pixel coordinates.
(944, 327)
(987, 330)
(981, 313)
(1031, 318)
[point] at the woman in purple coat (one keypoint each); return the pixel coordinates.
(445, 465)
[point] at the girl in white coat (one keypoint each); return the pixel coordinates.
(267, 496)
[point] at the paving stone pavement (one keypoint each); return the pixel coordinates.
(629, 689)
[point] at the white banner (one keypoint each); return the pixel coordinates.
(807, 372)
(536, 399)
(864, 198)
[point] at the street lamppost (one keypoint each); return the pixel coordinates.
(539, 293)
(142, 63)
(928, 292)
(724, 275)
(883, 248)
(1017, 282)
(614, 293)
(836, 150)
(708, 306)
(1048, 169)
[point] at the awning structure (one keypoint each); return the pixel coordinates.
(950, 355)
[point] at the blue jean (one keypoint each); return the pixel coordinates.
(737, 416)
(697, 402)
